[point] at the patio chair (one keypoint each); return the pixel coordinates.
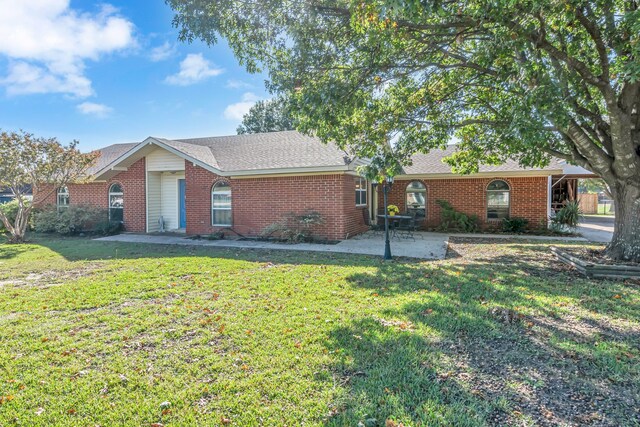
(376, 228)
(407, 227)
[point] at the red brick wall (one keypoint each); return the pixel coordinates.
(468, 195)
(259, 202)
(97, 193)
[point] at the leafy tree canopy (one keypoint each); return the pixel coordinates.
(514, 79)
(40, 164)
(267, 116)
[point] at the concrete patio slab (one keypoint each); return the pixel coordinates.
(425, 246)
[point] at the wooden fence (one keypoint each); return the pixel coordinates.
(588, 203)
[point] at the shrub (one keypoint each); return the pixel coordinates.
(293, 228)
(75, 219)
(514, 225)
(453, 220)
(10, 210)
(568, 217)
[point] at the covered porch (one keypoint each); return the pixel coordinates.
(166, 192)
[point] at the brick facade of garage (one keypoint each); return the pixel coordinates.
(528, 197)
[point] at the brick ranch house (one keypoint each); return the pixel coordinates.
(247, 182)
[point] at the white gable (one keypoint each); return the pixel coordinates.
(162, 160)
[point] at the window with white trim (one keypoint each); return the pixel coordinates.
(116, 203)
(361, 192)
(221, 204)
(498, 199)
(62, 200)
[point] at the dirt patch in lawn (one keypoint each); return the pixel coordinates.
(48, 278)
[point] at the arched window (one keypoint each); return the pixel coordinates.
(116, 203)
(498, 199)
(221, 204)
(63, 198)
(417, 199)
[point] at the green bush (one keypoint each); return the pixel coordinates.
(293, 228)
(453, 220)
(10, 210)
(568, 217)
(514, 225)
(75, 219)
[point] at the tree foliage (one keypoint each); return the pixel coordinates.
(41, 164)
(267, 116)
(525, 80)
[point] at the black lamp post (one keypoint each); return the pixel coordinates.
(387, 244)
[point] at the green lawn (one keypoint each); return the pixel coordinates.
(105, 333)
(604, 209)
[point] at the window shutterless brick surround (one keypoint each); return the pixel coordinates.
(528, 198)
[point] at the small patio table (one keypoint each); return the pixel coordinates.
(393, 219)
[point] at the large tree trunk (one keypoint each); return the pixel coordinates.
(625, 244)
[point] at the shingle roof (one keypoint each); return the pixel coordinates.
(288, 150)
(432, 163)
(274, 150)
(110, 154)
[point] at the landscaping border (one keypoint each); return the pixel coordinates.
(597, 271)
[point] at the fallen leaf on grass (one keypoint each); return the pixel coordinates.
(225, 421)
(5, 399)
(72, 411)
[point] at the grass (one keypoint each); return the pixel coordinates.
(122, 334)
(604, 209)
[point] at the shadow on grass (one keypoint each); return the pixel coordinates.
(393, 375)
(459, 362)
(548, 367)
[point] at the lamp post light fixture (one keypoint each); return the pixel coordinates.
(387, 245)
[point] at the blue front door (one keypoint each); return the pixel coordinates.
(182, 195)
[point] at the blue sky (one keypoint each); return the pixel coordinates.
(113, 72)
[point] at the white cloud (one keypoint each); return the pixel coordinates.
(193, 69)
(47, 44)
(239, 109)
(162, 52)
(92, 109)
(237, 84)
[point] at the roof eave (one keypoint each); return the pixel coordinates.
(289, 171)
(545, 172)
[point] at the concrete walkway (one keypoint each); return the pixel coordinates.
(597, 228)
(425, 246)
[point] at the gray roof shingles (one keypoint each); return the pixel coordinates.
(110, 154)
(432, 163)
(274, 150)
(288, 150)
